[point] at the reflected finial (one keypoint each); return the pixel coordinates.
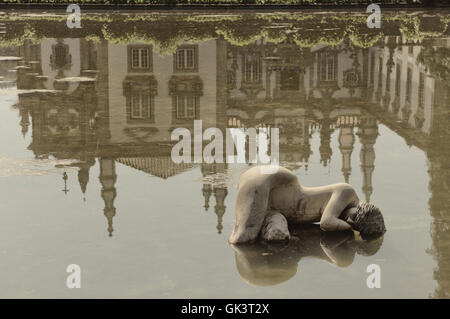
(367, 132)
(346, 141)
(83, 179)
(24, 130)
(25, 119)
(110, 222)
(325, 148)
(108, 179)
(83, 174)
(206, 194)
(220, 194)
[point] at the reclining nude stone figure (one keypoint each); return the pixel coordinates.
(268, 200)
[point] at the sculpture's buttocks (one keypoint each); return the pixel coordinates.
(254, 200)
(287, 199)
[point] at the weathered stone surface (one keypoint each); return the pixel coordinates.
(275, 227)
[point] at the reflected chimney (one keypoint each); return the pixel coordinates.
(206, 194)
(220, 193)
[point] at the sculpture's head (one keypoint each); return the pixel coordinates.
(369, 221)
(367, 247)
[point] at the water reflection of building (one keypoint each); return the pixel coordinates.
(414, 102)
(304, 91)
(119, 103)
(85, 102)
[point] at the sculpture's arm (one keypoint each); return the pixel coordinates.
(340, 199)
(335, 248)
(250, 211)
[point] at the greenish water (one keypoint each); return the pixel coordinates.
(370, 107)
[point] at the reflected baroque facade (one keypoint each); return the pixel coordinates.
(119, 103)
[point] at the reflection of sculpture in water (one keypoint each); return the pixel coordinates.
(266, 264)
(266, 202)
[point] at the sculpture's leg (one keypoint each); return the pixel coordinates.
(251, 209)
(275, 227)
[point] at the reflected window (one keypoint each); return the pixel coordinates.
(186, 91)
(290, 80)
(380, 73)
(186, 107)
(140, 58)
(372, 69)
(327, 66)
(140, 92)
(252, 68)
(351, 78)
(421, 90)
(408, 85)
(398, 75)
(186, 59)
(60, 59)
(60, 56)
(142, 107)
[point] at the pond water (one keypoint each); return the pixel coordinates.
(86, 175)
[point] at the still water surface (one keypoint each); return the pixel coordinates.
(98, 104)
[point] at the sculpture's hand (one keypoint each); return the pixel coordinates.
(339, 200)
(332, 240)
(334, 224)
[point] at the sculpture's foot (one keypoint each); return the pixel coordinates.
(275, 227)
